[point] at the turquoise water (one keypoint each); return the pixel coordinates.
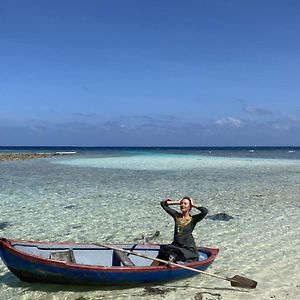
(113, 195)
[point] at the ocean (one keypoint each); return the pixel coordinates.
(112, 195)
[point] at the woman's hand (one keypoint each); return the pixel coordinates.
(193, 203)
(170, 201)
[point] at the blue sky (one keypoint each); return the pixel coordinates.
(149, 73)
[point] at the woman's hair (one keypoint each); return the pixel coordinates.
(188, 198)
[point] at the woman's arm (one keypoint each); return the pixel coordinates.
(201, 215)
(203, 212)
(172, 202)
(165, 205)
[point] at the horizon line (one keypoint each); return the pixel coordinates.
(156, 146)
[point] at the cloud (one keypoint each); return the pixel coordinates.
(254, 110)
(114, 126)
(284, 124)
(85, 115)
(168, 118)
(143, 122)
(230, 121)
(154, 131)
(293, 118)
(142, 118)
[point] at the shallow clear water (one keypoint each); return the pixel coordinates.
(113, 196)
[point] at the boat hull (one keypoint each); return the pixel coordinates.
(31, 268)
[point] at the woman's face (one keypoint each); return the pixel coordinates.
(185, 205)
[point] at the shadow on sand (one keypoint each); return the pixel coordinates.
(10, 280)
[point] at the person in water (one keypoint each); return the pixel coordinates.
(183, 247)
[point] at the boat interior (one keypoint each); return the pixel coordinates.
(93, 255)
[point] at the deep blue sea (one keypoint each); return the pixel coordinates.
(112, 195)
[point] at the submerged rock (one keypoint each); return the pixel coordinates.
(153, 291)
(76, 226)
(148, 237)
(220, 217)
(25, 156)
(4, 225)
(70, 206)
(151, 236)
(200, 296)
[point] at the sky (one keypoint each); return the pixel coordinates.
(149, 73)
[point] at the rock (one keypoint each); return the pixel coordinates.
(220, 217)
(4, 225)
(76, 226)
(152, 236)
(154, 291)
(70, 206)
(157, 291)
(147, 238)
(24, 156)
(198, 296)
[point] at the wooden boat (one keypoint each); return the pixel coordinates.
(89, 264)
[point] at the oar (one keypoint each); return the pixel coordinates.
(237, 280)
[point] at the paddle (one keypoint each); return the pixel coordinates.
(236, 281)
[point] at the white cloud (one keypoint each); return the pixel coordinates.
(230, 121)
(152, 131)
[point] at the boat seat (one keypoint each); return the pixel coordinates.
(121, 257)
(63, 255)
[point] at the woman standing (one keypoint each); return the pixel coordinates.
(183, 247)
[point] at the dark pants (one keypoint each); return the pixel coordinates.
(170, 253)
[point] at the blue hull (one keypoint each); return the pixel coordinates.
(32, 268)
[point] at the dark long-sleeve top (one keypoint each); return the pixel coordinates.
(183, 238)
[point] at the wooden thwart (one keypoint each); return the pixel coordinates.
(120, 256)
(65, 255)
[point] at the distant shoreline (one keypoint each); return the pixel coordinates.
(27, 156)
